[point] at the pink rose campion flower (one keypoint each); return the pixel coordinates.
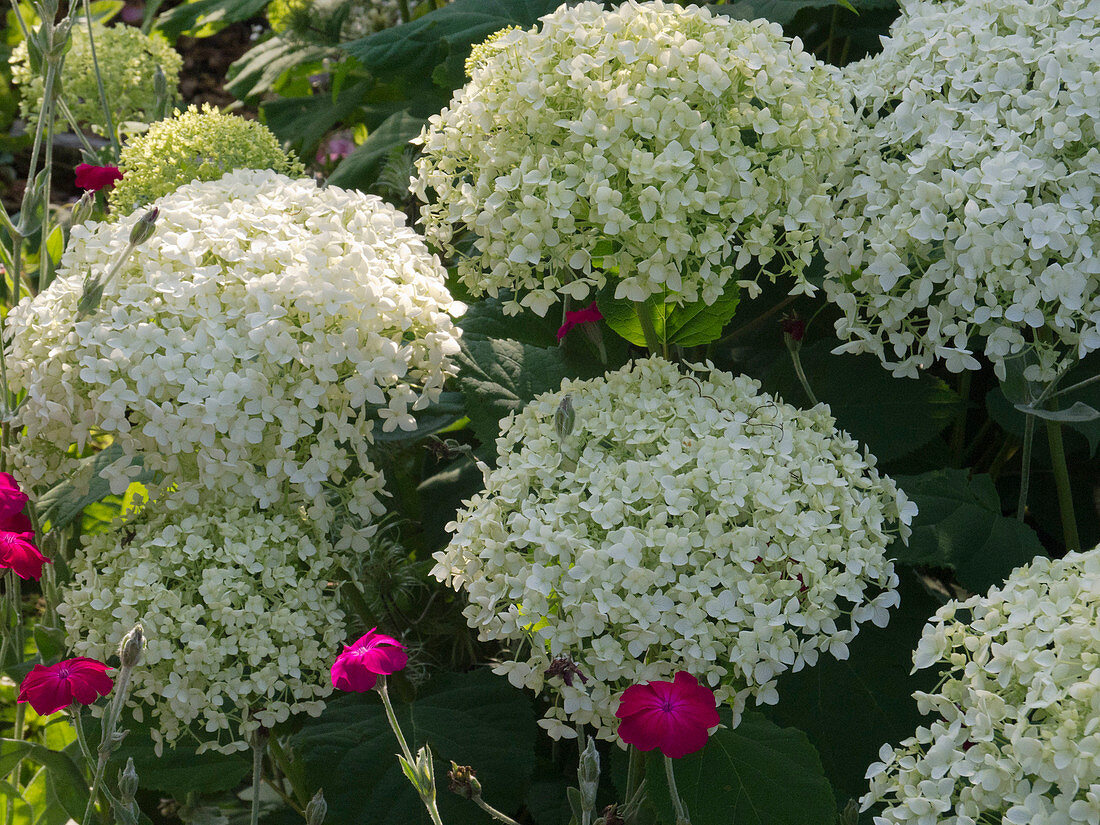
(18, 553)
(359, 665)
(12, 499)
(94, 178)
(589, 314)
(49, 688)
(674, 717)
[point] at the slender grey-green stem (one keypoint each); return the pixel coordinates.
(674, 794)
(67, 113)
(99, 84)
(493, 812)
(797, 361)
(383, 691)
(1080, 385)
(258, 743)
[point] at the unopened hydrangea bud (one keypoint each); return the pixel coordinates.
(130, 649)
(316, 808)
(128, 781)
(588, 774)
(463, 781)
(82, 209)
(564, 418)
(144, 228)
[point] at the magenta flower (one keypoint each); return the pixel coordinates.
(18, 553)
(674, 717)
(337, 147)
(12, 499)
(359, 665)
(94, 178)
(588, 315)
(49, 688)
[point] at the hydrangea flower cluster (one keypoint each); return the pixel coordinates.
(248, 345)
(240, 619)
(313, 20)
(1018, 709)
(128, 61)
(968, 219)
(657, 146)
(683, 522)
(197, 144)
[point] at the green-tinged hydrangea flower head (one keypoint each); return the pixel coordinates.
(1017, 725)
(252, 344)
(128, 62)
(332, 21)
(652, 521)
(662, 148)
(241, 621)
(968, 220)
(194, 145)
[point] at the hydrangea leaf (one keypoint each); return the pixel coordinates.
(414, 49)
(63, 777)
(687, 326)
(202, 18)
(960, 525)
(849, 708)
(474, 718)
(360, 169)
(892, 417)
(756, 774)
(499, 376)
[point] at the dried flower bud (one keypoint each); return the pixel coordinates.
(565, 668)
(463, 781)
(794, 329)
(144, 228)
(316, 809)
(129, 652)
(564, 418)
(611, 816)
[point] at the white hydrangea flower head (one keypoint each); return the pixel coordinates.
(673, 144)
(968, 221)
(686, 522)
(1018, 710)
(246, 345)
(241, 621)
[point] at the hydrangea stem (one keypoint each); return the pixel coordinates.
(674, 794)
(1061, 480)
(654, 344)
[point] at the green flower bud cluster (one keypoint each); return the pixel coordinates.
(197, 144)
(128, 62)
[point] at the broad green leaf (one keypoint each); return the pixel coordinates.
(446, 490)
(474, 718)
(485, 318)
(177, 771)
(359, 170)
(50, 642)
(850, 708)
(413, 50)
(66, 781)
(499, 376)
(66, 500)
(201, 18)
(756, 774)
(892, 416)
(304, 121)
(784, 11)
(960, 525)
(22, 812)
(687, 326)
